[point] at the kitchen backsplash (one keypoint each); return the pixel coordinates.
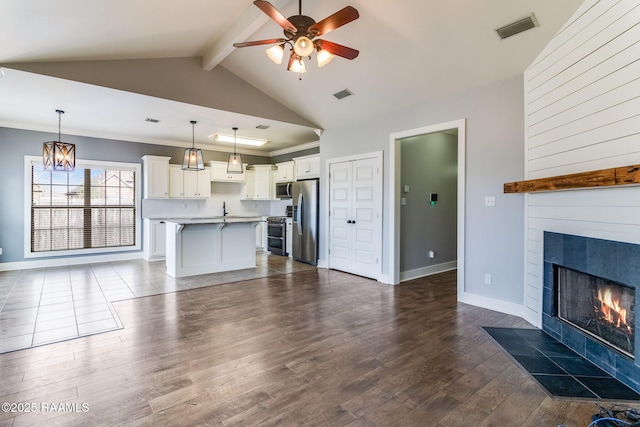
(230, 193)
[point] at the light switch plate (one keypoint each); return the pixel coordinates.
(490, 200)
(403, 201)
(405, 188)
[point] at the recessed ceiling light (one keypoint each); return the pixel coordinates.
(151, 120)
(239, 140)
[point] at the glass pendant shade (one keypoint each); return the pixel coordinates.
(192, 159)
(234, 164)
(324, 57)
(57, 155)
(296, 64)
(303, 46)
(276, 53)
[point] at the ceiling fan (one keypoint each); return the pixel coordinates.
(300, 31)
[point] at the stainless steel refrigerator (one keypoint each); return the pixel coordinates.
(305, 221)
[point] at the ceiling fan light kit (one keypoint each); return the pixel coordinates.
(300, 32)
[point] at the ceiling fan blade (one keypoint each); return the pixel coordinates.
(259, 42)
(338, 19)
(275, 14)
(337, 49)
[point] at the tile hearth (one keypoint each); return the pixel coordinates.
(42, 306)
(559, 370)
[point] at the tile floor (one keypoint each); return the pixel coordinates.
(41, 306)
(561, 371)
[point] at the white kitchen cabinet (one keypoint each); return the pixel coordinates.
(155, 177)
(155, 239)
(249, 186)
(307, 167)
(284, 173)
(219, 173)
(185, 184)
(258, 183)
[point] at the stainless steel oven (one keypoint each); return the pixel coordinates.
(277, 235)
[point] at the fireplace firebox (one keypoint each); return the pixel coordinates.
(600, 307)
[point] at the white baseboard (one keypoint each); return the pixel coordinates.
(493, 304)
(61, 262)
(427, 271)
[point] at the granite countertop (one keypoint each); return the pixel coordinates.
(213, 219)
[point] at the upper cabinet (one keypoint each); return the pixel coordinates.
(307, 167)
(219, 173)
(258, 183)
(156, 177)
(185, 184)
(284, 173)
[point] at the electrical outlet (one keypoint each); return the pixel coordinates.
(487, 279)
(432, 254)
(0, 251)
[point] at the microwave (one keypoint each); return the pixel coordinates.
(284, 190)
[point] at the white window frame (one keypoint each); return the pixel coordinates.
(31, 160)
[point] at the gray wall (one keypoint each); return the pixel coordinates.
(289, 156)
(16, 143)
(494, 155)
(428, 165)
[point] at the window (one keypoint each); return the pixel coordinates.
(93, 209)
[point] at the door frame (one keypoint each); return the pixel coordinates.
(378, 155)
(393, 225)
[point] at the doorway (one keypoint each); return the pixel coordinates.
(395, 183)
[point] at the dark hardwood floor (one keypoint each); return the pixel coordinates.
(312, 348)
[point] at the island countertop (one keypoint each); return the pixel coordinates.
(212, 219)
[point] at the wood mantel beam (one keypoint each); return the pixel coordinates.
(624, 175)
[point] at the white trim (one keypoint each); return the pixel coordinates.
(393, 225)
(427, 271)
(379, 155)
(66, 261)
(293, 149)
(136, 167)
(493, 304)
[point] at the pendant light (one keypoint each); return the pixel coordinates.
(58, 155)
(192, 160)
(234, 165)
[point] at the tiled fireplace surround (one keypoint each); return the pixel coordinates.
(611, 260)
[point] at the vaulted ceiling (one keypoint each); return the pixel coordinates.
(410, 50)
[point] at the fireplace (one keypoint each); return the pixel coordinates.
(599, 307)
(588, 301)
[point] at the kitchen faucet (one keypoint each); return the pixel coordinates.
(224, 208)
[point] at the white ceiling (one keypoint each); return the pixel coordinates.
(410, 51)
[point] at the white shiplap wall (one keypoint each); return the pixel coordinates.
(582, 107)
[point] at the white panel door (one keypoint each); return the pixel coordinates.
(355, 221)
(365, 217)
(340, 186)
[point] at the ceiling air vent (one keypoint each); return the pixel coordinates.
(343, 94)
(262, 127)
(517, 27)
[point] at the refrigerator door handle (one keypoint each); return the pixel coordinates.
(300, 209)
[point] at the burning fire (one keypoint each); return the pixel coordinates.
(611, 310)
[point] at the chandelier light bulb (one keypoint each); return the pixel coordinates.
(275, 53)
(303, 46)
(297, 66)
(324, 57)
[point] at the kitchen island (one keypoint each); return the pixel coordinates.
(210, 245)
